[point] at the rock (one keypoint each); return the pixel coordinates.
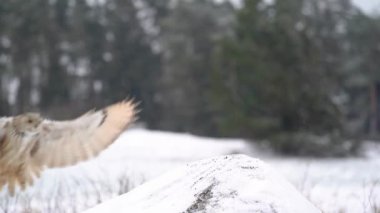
(234, 183)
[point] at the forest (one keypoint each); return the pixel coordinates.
(301, 76)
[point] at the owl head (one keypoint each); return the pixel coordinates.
(27, 123)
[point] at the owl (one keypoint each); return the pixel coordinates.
(29, 143)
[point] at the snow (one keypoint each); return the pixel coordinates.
(233, 183)
(333, 185)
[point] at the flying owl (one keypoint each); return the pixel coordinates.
(30, 143)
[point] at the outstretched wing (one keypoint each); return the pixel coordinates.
(64, 143)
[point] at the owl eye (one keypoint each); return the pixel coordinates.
(29, 121)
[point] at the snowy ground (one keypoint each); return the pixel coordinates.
(228, 184)
(334, 185)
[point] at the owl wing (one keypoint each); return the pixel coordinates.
(3, 121)
(64, 143)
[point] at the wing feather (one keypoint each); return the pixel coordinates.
(3, 121)
(64, 143)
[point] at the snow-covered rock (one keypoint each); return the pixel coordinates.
(234, 183)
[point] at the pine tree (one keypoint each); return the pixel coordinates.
(273, 79)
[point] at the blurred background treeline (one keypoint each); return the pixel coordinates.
(301, 75)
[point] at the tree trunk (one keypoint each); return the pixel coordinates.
(373, 121)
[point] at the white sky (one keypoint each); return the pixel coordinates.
(368, 6)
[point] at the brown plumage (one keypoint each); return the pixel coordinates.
(29, 143)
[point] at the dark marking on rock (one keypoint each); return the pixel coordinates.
(273, 208)
(202, 200)
(249, 167)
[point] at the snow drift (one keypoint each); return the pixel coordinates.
(234, 183)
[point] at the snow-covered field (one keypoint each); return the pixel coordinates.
(333, 185)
